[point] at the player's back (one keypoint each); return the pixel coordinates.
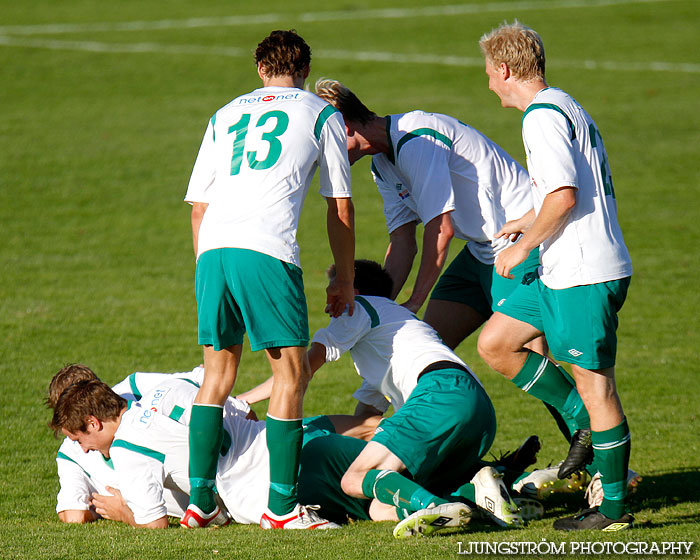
(397, 348)
(255, 165)
(441, 160)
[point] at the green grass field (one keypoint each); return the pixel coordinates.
(102, 108)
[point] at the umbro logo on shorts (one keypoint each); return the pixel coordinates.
(575, 353)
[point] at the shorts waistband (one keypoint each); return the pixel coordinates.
(444, 364)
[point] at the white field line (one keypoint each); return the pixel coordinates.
(359, 56)
(386, 13)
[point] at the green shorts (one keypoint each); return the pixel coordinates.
(325, 457)
(444, 428)
(240, 291)
(471, 282)
(579, 323)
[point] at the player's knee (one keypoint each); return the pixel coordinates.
(351, 483)
(488, 346)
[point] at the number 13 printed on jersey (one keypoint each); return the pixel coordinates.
(240, 130)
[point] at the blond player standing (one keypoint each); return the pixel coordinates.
(585, 267)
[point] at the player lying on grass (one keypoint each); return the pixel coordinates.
(147, 446)
(83, 474)
(434, 169)
(329, 457)
(443, 421)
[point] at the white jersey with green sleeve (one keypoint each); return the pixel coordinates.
(255, 164)
(390, 347)
(80, 474)
(437, 164)
(150, 454)
(564, 148)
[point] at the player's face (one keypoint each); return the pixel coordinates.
(95, 438)
(354, 152)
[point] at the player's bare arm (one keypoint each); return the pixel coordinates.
(436, 243)
(79, 516)
(341, 236)
(515, 228)
(556, 207)
(198, 209)
(399, 256)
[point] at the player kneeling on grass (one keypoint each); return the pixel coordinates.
(147, 444)
(443, 421)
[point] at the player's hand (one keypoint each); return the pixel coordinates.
(340, 295)
(509, 258)
(109, 506)
(511, 230)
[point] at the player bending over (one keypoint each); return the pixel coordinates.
(434, 169)
(443, 421)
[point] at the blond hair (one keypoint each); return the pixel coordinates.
(517, 45)
(338, 95)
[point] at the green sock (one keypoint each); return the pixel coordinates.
(389, 487)
(465, 492)
(612, 452)
(284, 438)
(550, 383)
(206, 435)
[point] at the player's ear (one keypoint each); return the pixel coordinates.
(261, 71)
(504, 70)
(94, 422)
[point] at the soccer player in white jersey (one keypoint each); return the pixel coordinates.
(147, 444)
(443, 421)
(81, 474)
(585, 267)
(435, 169)
(254, 167)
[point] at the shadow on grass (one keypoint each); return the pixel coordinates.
(678, 490)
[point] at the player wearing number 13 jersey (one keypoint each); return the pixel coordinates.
(585, 270)
(257, 158)
(254, 167)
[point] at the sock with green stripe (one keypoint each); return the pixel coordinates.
(284, 439)
(389, 487)
(543, 379)
(206, 435)
(612, 453)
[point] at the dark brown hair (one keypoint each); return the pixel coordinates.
(66, 376)
(371, 278)
(84, 399)
(283, 53)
